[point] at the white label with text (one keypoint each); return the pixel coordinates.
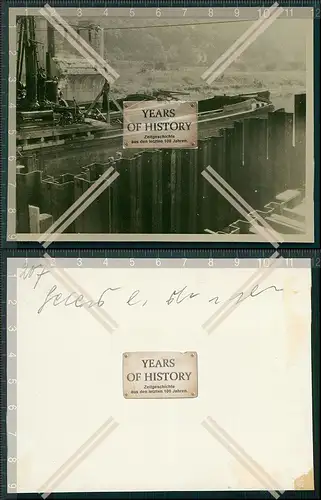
(160, 124)
(159, 375)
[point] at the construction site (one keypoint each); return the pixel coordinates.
(70, 131)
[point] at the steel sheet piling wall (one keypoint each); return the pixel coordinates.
(300, 138)
(166, 181)
(163, 191)
(157, 192)
(29, 192)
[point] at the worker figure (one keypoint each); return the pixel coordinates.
(105, 106)
(61, 100)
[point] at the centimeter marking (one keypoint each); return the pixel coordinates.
(164, 252)
(230, 11)
(150, 263)
(12, 401)
(164, 263)
(163, 3)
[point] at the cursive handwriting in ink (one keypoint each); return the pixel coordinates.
(240, 296)
(29, 271)
(178, 296)
(272, 287)
(216, 300)
(131, 301)
(74, 298)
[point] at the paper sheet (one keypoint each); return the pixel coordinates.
(254, 380)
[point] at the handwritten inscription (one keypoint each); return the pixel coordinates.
(55, 297)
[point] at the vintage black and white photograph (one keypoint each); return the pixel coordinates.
(161, 124)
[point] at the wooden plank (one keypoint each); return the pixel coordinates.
(79, 222)
(166, 189)
(209, 202)
(103, 208)
(205, 190)
(235, 157)
(176, 191)
(233, 161)
(62, 198)
(139, 193)
(192, 190)
(45, 222)
(120, 192)
(89, 220)
(132, 193)
(34, 215)
(299, 156)
(186, 195)
(136, 194)
(146, 202)
(227, 212)
(97, 210)
(262, 176)
(220, 207)
(30, 162)
(290, 164)
(157, 192)
(255, 182)
(277, 151)
(113, 192)
(178, 209)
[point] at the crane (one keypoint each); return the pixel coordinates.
(39, 97)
